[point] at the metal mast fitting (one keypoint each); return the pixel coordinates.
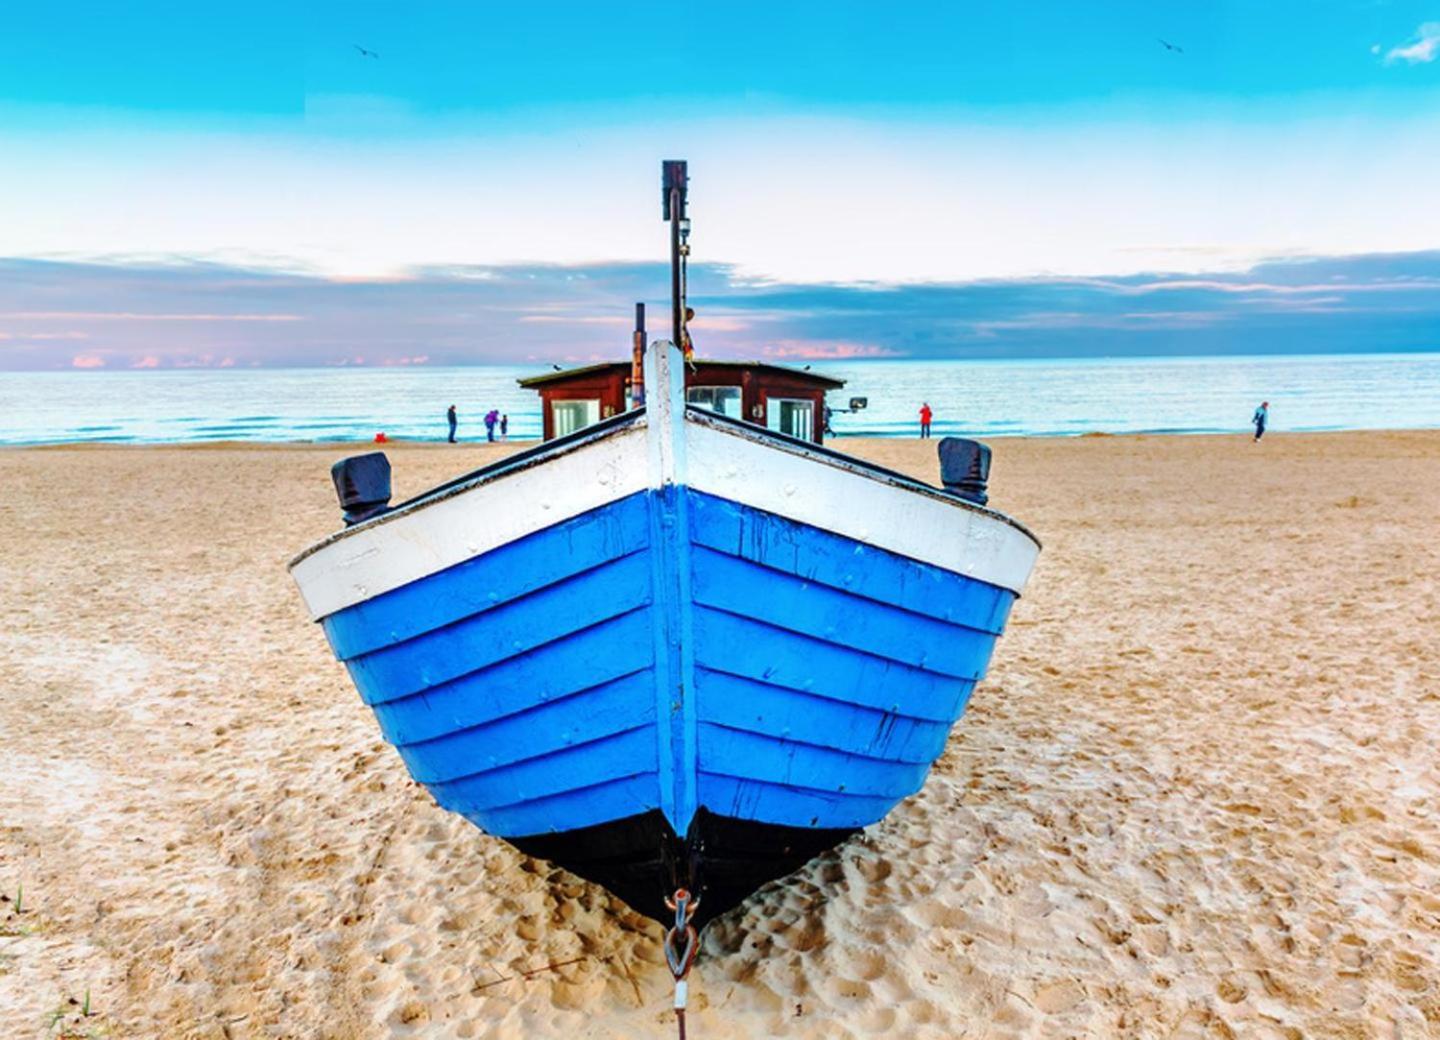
(674, 182)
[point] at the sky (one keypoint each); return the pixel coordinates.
(188, 186)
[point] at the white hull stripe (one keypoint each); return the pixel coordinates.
(433, 536)
(931, 527)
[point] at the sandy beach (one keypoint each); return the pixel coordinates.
(1197, 796)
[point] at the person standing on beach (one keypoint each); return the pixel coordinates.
(505, 427)
(491, 418)
(1260, 418)
(925, 416)
(450, 418)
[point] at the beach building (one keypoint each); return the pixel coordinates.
(788, 400)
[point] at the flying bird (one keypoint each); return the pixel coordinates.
(1169, 46)
(364, 53)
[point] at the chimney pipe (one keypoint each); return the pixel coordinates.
(637, 360)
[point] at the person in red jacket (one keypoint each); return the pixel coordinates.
(925, 416)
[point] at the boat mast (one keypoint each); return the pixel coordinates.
(673, 183)
(682, 939)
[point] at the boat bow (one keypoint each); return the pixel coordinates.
(675, 649)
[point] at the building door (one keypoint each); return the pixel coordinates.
(791, 415)
(569, 416)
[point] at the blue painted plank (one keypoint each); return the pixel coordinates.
(784, 601)
(770, 803)
(777, 712)
(507, 631)
(561, 669)
(613, 758)
(747, 756)
(521, 686)
(487, 581)
(670, 680)
(570, 810)
(603, 711)
(843, 563)
(781, 658)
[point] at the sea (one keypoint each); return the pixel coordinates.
(976, 398)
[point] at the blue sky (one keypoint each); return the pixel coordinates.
(837, 150)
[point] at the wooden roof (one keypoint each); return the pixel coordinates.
(825, 382)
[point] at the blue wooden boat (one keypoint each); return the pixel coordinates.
(673, 649)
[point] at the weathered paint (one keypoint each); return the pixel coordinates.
(686, 644)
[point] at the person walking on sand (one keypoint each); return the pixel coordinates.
(925, 416)
(450, 418)
(491, 418)
(1260, 418)
(505, 427)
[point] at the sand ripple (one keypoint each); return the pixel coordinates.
(1197, 797)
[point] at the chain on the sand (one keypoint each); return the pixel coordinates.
(681, 942)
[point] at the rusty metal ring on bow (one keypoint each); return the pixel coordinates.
(679, 960)
(682, 898)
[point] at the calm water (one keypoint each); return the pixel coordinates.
(986, 398)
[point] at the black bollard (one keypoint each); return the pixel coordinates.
(362, 483)
(965, 468)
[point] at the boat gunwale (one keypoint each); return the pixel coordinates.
(548, 450)
(525, 459)
(843, 461)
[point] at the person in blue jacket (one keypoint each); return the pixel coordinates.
(450, 418)
(1260, 418)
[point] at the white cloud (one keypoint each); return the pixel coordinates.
(1425, 47)
(914, 196)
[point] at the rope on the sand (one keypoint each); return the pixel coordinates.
(681, 943)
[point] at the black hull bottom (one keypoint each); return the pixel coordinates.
(642, 860)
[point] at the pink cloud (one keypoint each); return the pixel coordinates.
(824, 349)
(578, 319)
(134, 316)
(148, 361)
(87, 361)
(714, 323)
(418, 359)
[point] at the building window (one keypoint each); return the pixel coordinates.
(722, 399)
(793, 416)
(569, 416)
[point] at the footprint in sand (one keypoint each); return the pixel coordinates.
(1231, 990)
(1058, 997)
(413, 1013)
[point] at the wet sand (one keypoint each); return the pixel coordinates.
(1198, 794)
